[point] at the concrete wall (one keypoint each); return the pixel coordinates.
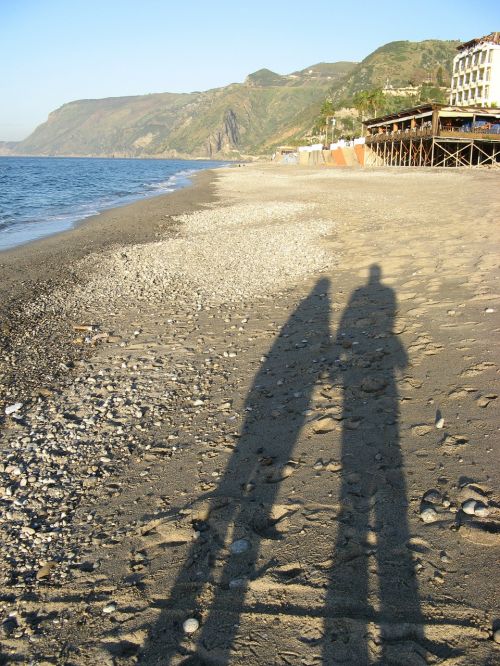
(340, 157)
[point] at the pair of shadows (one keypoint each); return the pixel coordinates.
(364, 359)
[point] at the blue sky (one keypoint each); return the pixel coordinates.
(55, 51)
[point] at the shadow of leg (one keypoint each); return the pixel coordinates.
(213, 582)
(372, 602)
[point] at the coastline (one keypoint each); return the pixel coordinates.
(287, 391)
(43, 259)
(36, 338)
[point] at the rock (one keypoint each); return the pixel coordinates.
(237, 583)
(327, 424)
(429, 515)
(373, 384)
(469, 507)
(190, 625)
(421, 429)
(433, 496)
(45, 570)
(287, 470)
(109, 608)
(481, 510)
(9, 625)
(496, 636)
(484, 400)
(12, 409)
(239, 546)
(439, 422)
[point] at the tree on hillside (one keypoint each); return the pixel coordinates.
(440, 76)
(321, 125)
(369, 103)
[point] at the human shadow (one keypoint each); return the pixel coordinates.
(372, 605)
(240, 514)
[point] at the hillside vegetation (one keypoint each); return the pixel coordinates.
(238, 120)
(400, 64)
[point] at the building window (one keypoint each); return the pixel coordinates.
(488, 74)
(490, 55)
(483, 56)
(486, 91)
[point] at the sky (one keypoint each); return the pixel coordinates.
(56, 51)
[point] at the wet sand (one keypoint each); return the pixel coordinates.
(275, 443)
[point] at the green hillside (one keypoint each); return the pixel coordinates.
(400, 64)
(238, 120)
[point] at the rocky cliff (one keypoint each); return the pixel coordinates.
(238, 120)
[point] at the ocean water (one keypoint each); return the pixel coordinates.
(40, 196)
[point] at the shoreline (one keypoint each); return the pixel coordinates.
(35, 333)
(184, 177)
(40, 258)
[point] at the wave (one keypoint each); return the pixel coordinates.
(42, 196)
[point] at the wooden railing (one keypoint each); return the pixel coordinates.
(480, 131)
(410, 133)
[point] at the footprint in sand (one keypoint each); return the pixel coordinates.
(477, 369)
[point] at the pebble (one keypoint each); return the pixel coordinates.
(45, 570)
(12, 409)
(439, 423)
(328, 424)
(237, 583)
(469, 507)
(433, 496)
(190, 625)
(109, 608)
(481, 510)
(496, 636)
(373, 384)
(429, 515)
(286, 471)
(240, 546)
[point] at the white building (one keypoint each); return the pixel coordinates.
(476, 72)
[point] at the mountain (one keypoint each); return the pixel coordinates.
(8, 147)
(239, 119)
(400, 64)
(235, 121)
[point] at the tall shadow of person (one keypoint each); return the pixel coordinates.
(212, 584)
(373, 586)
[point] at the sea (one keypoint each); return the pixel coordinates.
(41, 196)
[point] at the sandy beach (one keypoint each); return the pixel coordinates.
(256, 422)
